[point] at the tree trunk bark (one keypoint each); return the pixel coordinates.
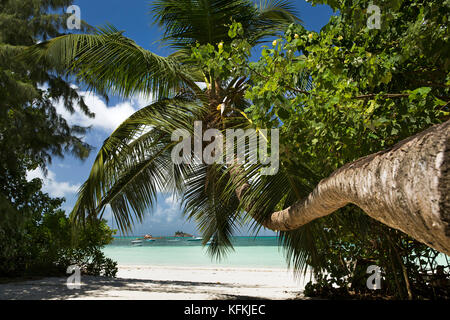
(405, 187)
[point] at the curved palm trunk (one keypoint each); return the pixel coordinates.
(405, 187)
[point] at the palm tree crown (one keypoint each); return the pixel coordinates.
(134, 163)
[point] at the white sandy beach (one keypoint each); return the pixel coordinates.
(167, 283)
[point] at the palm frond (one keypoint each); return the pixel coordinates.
(187, 22)
(135, 162)
(301, 247)
(216, 219)
(266, 194)
(278, 12)
(111, 63)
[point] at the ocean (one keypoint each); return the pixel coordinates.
(251, 252)
(260, 252)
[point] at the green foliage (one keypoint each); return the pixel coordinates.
(85, 251)
(29, 124)
(110, 63)
(137, 158)
(135, 161)
(186, 23)
(38, 239)
(35, 235)
(354, 242)
(338, 95)
(369, 86)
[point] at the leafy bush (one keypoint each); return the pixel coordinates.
(47, 244)
(86, 250)
(35, 235)
(408, 267)
(336, 96)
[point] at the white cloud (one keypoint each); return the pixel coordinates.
(141, 100)
(172, 200)
(107, 118)
(201, 85)
(51, 186)
(167, 214)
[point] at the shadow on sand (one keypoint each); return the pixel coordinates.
(117, 288)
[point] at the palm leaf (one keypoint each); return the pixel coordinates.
(134, 162)
(187, 22)
(108, 62)
(216, 219)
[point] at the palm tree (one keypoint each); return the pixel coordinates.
(134, 163)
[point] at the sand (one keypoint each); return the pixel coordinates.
(166, 283)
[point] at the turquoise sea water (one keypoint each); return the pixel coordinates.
(262, 252)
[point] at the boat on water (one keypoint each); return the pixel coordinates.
(136, 242)
(150, 240)
(195, 239)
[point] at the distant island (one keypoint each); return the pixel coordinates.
(182, 234)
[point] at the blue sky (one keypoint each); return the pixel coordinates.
(66, 175)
